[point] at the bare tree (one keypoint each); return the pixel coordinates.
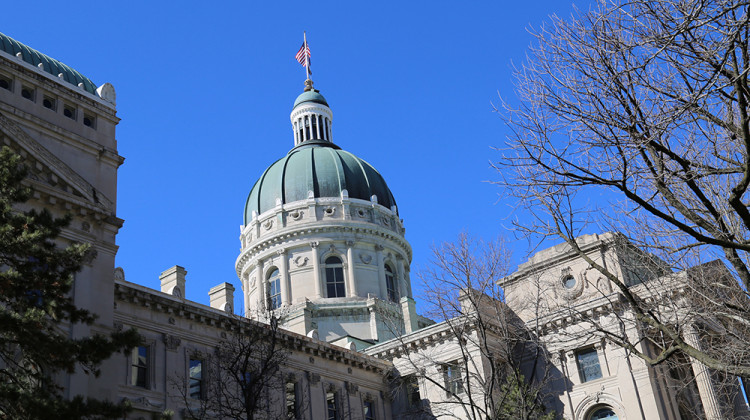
(484, 363)
(646, 105)
(244, 378)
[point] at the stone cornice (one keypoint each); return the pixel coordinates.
(302, 234)
(195, 312)
(63, 87)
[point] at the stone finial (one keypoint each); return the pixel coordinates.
(107, 92)
(222, 297)
(173, 281)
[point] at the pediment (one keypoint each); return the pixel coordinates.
(49, 172)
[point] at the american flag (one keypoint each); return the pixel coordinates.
(303, 55)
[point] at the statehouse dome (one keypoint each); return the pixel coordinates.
(321, 167)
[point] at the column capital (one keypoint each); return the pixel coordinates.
(314, 244)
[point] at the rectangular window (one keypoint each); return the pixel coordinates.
(454, 382)
(28, 93)
(331, 406)
(69, 112)
(414, 399)
(291, 400)
(139, 366)
(49, 102)
(369, 407)
(274, 292)
(196, 378)
(6, 82)
(89, 120)
(588, 365)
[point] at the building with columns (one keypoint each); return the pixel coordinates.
(322, 242)
(323, 250)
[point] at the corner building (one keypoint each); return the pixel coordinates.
(322, 242)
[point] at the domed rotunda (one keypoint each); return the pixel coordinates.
(322, 245)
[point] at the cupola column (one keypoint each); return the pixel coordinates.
(316, 270)
(261, 286)
(285, 289)
(381, 272)
(350, 258)
(401, 279)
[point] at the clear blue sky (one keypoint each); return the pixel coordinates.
(204, 91)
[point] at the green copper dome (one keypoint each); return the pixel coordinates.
(320, 167)
(51, 66)
(310, 96)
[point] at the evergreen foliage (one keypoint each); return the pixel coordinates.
(37, 311)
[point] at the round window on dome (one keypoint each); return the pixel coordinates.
(569, 282)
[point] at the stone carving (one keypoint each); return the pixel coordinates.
(385, 221)
(351, 388)
(314, 378)
(296, 214)
(86, 226)
(171, 341)
(314, 244)
(360, 213)
(365, 258)
(171, 320)
(379, 247)
(329, 211)
(119, 274)
(268, 224)
(300, 261)
(52, 161)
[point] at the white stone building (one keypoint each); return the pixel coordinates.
(322, 247)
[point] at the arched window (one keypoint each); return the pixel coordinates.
(335, 277)
(274, 289)
(603, 413)
(390, 284)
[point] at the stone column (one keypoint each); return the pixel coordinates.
(703, 379)
(350, 260)
(286, 291)
(563, 358)
(261, 286)
(401, 281)
(381, 272)
(316, 270)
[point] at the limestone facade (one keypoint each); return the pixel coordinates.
(66, 133)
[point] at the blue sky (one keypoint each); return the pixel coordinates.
(204, 91)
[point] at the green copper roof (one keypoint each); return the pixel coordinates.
(51, 66)
(321, 167)
(310, 96)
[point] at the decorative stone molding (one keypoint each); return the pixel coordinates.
(350, 243)
(171, 342)
(365, 258)
(329, 211)
(314, 244)
(300, 261)
(314, 378)
(119, 274)
(351, 388)
(268, 224)
(296, 214)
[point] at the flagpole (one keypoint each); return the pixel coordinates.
(307, 55)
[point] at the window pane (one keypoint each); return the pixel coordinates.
(196, 378)
(291, 400)
(369, 411)
(331, 406)
(139, 367)
(588, 365)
